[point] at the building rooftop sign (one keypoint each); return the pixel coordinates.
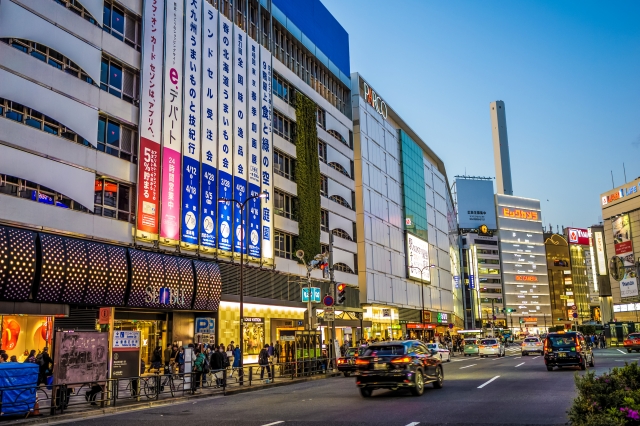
(614, 196)
(372, 98)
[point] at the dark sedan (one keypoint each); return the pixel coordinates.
(398, 364)
(347, 363)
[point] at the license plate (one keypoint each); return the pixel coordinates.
(562, 355)
(379, 366)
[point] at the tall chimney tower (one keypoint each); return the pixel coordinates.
(501, 148)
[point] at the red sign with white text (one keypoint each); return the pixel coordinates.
(579, 236)
(148, 179)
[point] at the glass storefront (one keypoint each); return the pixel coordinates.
(21, 334)
(385, 323)
(151, 335)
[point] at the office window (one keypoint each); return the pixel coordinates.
(283, 244)
(16, 187)
(338, 136)
(123, 26)
(49, 56)
(340, 200)
(338, 167)
(32, 118)
(284, 127)
(487, 271)
(282, 89)
(342, 234)
(322, 151)
(114, 200)
(119, 80)
(284, 204)
(75, 7)
(324, 220)
(116, 139)
(324, 186)
(321, 119)
(489, 261)
(284, 165)
(343, 267)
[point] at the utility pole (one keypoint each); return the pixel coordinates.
(493, 318)
(332, 292)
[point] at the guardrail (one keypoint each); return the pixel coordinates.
(76, 397)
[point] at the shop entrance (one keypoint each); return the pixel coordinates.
(152, 335)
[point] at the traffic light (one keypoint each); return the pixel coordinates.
(341, 293)
(509, 310)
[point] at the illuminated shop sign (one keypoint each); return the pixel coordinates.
(620, 193)
(518, 214)
(164, 295)
(529, 278)
(602, 263)
(579, 236)
(374, 100)
(418, 258)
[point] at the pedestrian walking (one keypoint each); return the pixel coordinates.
(263, 362)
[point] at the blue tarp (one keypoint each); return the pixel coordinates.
(18, 383)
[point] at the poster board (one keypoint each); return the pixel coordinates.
(80, 357)
(125, 354)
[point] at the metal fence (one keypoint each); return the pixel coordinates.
(79, 397)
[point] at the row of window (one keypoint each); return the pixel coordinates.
(112, 199)
(287, 92)
(115, 21)
(285, 165)
(489, 261)
(486, 251)
(491, 290)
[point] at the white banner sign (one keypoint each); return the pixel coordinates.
(266, 129)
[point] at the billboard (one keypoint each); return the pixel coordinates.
(475, 203)
(418, 265)
(622, 239)
(578, 236)
(602, 262)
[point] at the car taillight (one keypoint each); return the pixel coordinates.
(538, 344)
(402, 360)
(495, 346)
(362, 362)
(341, 360)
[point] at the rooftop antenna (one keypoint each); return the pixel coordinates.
(625, 173)
(612, 184)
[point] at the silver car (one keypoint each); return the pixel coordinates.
(532, 344)
(490, 346)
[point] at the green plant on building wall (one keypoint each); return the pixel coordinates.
(307, 177)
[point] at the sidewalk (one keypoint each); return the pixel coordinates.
(79, 408)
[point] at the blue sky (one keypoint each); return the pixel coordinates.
(568, 72)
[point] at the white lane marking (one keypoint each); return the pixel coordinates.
(413, 423)
(486, 383)
(535, 357)
(519, 364)
(274, 423)
(518, 357)
(467, 366)
(622, 352)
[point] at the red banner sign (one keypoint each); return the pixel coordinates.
(530, 278)
(579, 236)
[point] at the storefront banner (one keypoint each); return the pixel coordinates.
(191, 129)
(150, 120)
(209, 128)
(266, 131)
(239, 135)
(253, 77)
(172, 124)
(622, 239)
(225, 132)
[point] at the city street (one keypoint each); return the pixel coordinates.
(510, 390)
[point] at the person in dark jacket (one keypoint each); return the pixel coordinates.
(263, 362)
(217, 364)
(46, 365)
(156, 358)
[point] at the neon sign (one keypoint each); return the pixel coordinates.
(519, 214)
(374, 100)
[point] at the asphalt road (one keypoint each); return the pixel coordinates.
(512, 390)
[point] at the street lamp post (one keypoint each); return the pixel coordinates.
(422, 293)
(243, 246)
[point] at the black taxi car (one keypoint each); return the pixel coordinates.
(398, 364)
(564, 349)
(347, 363)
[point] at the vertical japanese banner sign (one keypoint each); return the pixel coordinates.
(150, 120)
(172, 124)
(265, 153)
(191, 129)
(225, 132)
(253, 175)
(209, 127)
(239, 136)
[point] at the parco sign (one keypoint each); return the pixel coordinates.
(374, 100)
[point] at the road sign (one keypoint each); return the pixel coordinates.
(450, 326)
(329, 316)
(328, 300)
(575, 315)
(574, 308)
(315, 294)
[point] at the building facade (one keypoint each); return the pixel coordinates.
(122, 123)
(406, 226)
(523, 259)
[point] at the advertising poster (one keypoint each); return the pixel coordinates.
(622, 239)
(418, 259)
(172, 124)
(266, 132)
(629, 285)
(239, 136)
(150, 121)
(81, 357)
(602, 262)
(476, 204)
(225, 133)
(253, 174)
(209, 129)
(126, 354)
(191, 130)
